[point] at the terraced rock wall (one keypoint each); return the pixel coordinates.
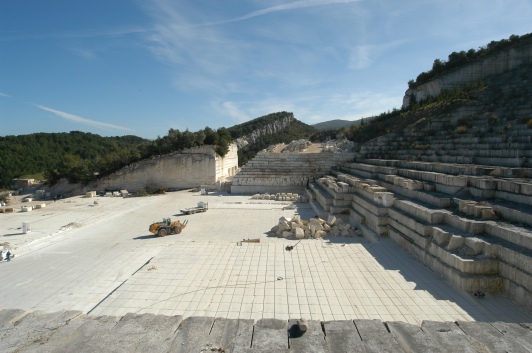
(454, 190)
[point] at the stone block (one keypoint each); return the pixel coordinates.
(485, 184)
(440, 236)
(299, 233)
(478, 209)
(384, 198)
(476, 244)
(526, 189)
(463, 203)
(455, 242)
(390, 178)
(331, 220)
(287, 234)
(374, 189)
(427, 186)
(508, 186)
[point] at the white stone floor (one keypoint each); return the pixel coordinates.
(109, 264)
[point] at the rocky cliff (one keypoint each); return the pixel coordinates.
(477, 70)
(269, 129)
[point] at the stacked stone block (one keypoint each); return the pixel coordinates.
(471, 242)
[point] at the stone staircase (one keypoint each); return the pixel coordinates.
(284, 172)
(453, 190)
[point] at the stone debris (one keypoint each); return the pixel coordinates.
(71, 225)
(339, 145)
(314, 228)
(281, 197)
(297, 146)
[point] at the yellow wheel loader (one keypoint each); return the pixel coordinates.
(167, 227)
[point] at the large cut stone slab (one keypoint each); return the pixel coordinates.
(270, 335)
(231, 335)
(413, 339)
(342, 336)
(35, 328)
(193, 335)
(162, 332)
(486, 336)
(310, 341)
(376, 337)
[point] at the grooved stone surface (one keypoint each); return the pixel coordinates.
(68, 331)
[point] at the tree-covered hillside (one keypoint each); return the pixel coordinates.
(44, 153)
(82, 157)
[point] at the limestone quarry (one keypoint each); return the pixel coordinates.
(418, 240)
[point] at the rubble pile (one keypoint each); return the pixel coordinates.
(272, 148)
(340, 145)
(297, 146)
(282, 196)
(314, 228)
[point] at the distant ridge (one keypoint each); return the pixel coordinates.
(335, 124)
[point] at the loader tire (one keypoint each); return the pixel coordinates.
(162, 232)
(177, 230)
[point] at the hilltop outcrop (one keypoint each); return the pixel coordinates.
(269, 129)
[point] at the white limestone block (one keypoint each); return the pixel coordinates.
(331, 220)
(455, 242)
(489, 214)
(476, 244)
(440, 237)
(463, 203)
(344, 233)
(320, 234)
(283, 225)
(345, 226)
(299, 233)
(287, 234)
(478, 209)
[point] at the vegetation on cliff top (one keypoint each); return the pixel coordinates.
(463, 57)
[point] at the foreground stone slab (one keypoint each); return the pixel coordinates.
(71, 331)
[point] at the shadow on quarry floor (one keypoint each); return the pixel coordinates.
(392, 258)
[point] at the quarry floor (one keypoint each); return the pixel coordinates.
(102, 260)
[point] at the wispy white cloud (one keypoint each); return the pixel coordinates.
(231, 109)
(84, 52)
(5, 95)
(77, 34)
(363, 56)
(81, 120)
(284, 7)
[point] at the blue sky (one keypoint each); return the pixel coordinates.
(126, 67)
